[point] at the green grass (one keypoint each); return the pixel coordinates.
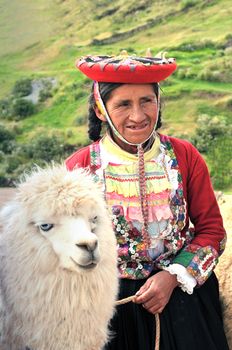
(24, 23)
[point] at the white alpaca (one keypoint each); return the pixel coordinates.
(57, 264)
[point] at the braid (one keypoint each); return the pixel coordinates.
(95, 125)
(159, 121)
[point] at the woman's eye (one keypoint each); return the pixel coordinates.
(148, 100)
(46, 227)
(123, 104)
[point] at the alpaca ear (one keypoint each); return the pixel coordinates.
(99, 114)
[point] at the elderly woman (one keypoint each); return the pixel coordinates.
(153, 185)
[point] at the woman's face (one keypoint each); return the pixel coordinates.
(133, 111)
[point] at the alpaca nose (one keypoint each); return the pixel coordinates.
(89, 246)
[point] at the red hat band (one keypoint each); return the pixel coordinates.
(126, 69)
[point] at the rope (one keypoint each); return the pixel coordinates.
(157, 320)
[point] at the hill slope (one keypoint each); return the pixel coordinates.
(43, 39)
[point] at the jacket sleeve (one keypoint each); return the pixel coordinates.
(200, 256)
(79, 159)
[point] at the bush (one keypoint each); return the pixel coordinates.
(6, 108)
(187, 4)
(5, 134)
(7, 143)
(4, 182)
(46, 91)
(208, 130)
(220, 163)
(23, 108)
(13, 163)
(22, 88)
(46, 148)
(44, 95)
(40, 151)
(213, 136)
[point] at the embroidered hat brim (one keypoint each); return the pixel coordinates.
(126, 69)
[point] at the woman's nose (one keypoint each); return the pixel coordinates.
(137, 114)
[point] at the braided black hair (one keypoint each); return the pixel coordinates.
(95, 124)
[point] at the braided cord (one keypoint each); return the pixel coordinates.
(143, 196)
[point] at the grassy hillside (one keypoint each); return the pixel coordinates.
(43, 39)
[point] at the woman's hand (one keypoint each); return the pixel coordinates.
(156, 292)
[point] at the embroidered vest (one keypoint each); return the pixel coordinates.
(166, 193)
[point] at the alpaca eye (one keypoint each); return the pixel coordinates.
(94, 219)
(46, 227)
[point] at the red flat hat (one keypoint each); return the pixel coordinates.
(126, 69)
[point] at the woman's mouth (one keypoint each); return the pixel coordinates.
(137, 126)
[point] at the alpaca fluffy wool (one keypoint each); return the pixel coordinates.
(49, 299)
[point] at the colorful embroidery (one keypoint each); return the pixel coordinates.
(222, 245)
(167, 215)
(203, 262)
(95, 160)
(133, 259)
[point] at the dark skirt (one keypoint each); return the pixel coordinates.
(188, 322)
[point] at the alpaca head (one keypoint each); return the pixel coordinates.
(74, 239)
(64, 217)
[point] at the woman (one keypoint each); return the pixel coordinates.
(154, 185)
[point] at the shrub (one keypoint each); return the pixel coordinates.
(187, 4)
(22, 88)
(213, 137)
(12, 163)
(208, 130)
(39, 151)
(4, 182)
(5, 108)
(44, 95)
(7, 143)
(220, 163)
(23, 108)
(46, 91)
(46, 148)
(5, 134)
